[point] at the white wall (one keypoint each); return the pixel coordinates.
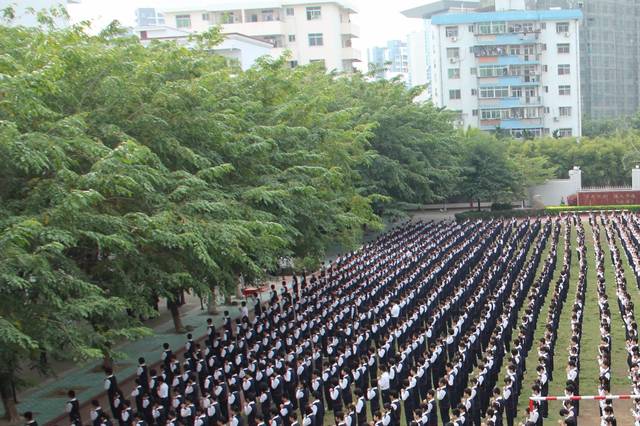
(553, 192)
(246, 53)
(418, 63)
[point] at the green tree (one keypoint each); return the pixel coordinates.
(488, 172)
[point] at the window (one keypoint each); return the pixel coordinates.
(293, 64)
(454, 94)
(494, 92)
(485, 28)
(545, 68)
(564, 69)
(314, 13)
(183, 21)
(502, 92)
(315, 39)
(206, 17)
(564, 90)
(454, 73)
(268, 15)
(229, 18)
(543, 26)
(516, 92)
(515, 50)
(546, 110)
(494, 114)
(563, 48)
(292, 38)
(562, 27)
(471, 28)
(563, 133)
(546, 89)
(474, 92)
(318, 61)
(498, 27)
(290, 11)
(453, 52)
(565, 111)
(474, 112)
(451, 31)
(544, 47)
(473, 70)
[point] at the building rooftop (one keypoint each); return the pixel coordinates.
(426, 11)
(508, 15)
(257, 4)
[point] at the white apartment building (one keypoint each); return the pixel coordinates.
(515, 70)
(242, 49)
(321, 31)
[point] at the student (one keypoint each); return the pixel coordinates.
(73, 409)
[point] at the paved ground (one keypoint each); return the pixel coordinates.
(48, 399)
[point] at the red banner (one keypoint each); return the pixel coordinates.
(607, 198)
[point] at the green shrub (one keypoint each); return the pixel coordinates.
(501, 206)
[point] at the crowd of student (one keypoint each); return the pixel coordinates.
(414, 327)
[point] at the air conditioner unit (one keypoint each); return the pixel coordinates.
(453, 60)
(453, 38)
(556, 119)
(567, 34)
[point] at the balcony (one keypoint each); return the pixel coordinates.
(256, 29)
(351, 54)
(510, 102)
(510, 80)
(511, 123)
(350, 29)
(506, 39)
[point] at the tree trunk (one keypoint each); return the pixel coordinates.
(211, 303)
(107, 361)
(175, 315)
(10, 409)
(227, 299)
(479, 209)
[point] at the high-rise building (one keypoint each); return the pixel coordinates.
(513, 70)
(148, 16)
(321, 31)
(419, 66)
(377, 57)
(24, 11)
(390, 61)
(609, 54)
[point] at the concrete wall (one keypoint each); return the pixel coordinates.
(553, 192)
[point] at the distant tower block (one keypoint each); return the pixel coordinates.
(635, 178)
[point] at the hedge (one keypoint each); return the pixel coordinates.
(549, 210)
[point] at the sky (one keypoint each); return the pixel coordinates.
(379, 20)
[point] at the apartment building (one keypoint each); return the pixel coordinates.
(507, 68)
(321, 31)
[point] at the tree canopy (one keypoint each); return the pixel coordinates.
(134, 173)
